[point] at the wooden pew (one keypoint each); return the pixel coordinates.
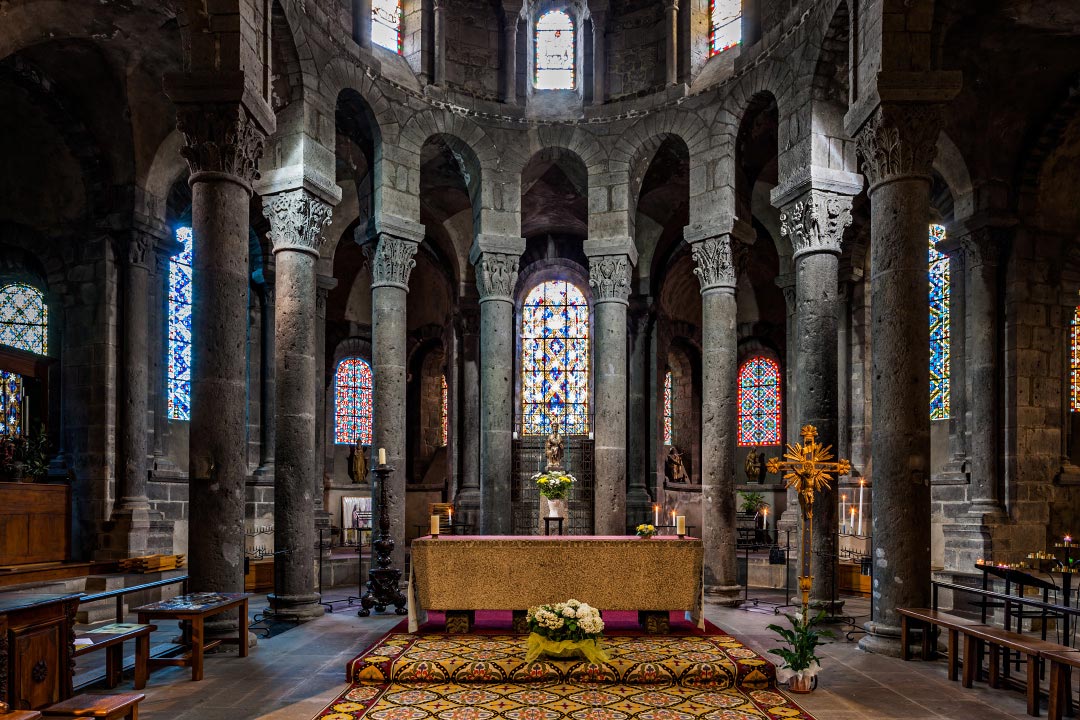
(928, 618)
(1033, 648)
(1061, 664)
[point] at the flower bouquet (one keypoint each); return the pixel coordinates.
(554, 485)
(645, 531)
(565, 630)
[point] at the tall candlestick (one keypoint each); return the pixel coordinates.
(655, 515)
(680, 525)
(862, 489)
(382, 456)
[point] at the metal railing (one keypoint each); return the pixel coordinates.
(121, 592)
(1065, 612)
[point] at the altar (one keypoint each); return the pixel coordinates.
(462, 574)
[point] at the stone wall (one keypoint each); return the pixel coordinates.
(472, 48)
(636, 46)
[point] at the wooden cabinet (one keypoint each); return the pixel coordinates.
(37, 634)
(35, 523)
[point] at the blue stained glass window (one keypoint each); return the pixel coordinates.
(352, 402)
(555, 51)
(24, 318)
(180, 275)
(939, 327)
(555, 360)
(11, 403)
(759, 402)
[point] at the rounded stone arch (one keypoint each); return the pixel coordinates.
(167, 167)
(824, 91)
(574, 168)
(950, 166)
(341, 75)
(755, 108)
(297, 24)
(565, 137)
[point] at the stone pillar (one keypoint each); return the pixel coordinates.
(391, 256)
(509, 59)
(468, 499)
(496, 276)
(297, 218)
(789, 520)
(599, 22)
(609, 277)
(719, 354)
(897, 146)
(362, 23)
(815, 223)
(440, 42)
(223, 143)
(323, 287)
(642, 434)
(268, 388)
(671, 29)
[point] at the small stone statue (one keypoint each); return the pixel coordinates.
(553, 448)
(358, 464)
(673, 466)
(755, 466)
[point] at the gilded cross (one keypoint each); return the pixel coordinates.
(807, 467)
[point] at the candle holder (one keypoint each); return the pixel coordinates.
(383, 579)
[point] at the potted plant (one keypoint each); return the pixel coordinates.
(801, 663)
(752, 502)
(36, 454)
(645, 531)
(563, 630)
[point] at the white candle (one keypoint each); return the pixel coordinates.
(450, 516)
(672, 517)
(853, 519)
(765, 518)
(680, 525)
(434, 524)
(843, 509)
(862, 489)
(655, 515)
(382, 456)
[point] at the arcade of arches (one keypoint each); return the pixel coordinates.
(245, 244)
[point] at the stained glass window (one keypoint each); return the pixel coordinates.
(444, 417)
(939, 327)
(759, 402)
(669, 415)
(555, 360)
(24, 318)
(352, 402)
(555, 51)
(11, 403)
(386, 18)
(725, 25)
(1075, 345)
(180, 274)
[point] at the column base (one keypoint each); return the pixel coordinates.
(881, 639)
(301, 607)
(969, 538)
(726, 595)
(831, 607)
(227, 628)
(265, 472)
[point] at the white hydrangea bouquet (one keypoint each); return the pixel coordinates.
(554, 485)
(565, 630)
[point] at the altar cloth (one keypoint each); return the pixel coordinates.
(518, 572)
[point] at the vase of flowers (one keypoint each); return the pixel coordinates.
(645, 531)
(554, 486)
(563, 630)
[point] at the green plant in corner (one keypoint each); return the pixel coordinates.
(752, 501)
(36, 453)
(801, 662)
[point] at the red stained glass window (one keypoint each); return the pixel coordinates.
(352, 402)
(759, 402)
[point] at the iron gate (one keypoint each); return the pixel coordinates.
(529, 458)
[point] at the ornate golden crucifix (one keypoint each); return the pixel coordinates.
(807, 466)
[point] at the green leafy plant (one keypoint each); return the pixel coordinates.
(803, 639)
(36, 453)
(752, 501)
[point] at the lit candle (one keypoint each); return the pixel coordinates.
(680, 525)
(843, 508)
(450, 516)
(862, 489)
(853, 519)
(765, 518)
(435, 525)
(655, 515)
(382, 456)
(1068, 538)
(672, 517)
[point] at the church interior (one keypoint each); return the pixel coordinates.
(698, 313)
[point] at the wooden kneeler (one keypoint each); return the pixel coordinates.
(123, 706)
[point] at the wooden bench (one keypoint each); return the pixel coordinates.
(1061, 664)
(111, 638)
(109, 707)
(1033, 648)
(927, 618)
(20, 715)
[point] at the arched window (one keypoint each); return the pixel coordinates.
(24, 318)
(555, 360)
(386, 19)
(11, 404)
(556, 51)
(725, 25)
(180, 276)
(669, 413)
(444, 417)
(939, 327)
(759, 402)
(1075, 354)
(352, 402)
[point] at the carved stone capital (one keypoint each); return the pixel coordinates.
(715, 263)
(816, 222)
(139, 249)
(609, 276)
(391, 260)
(496, 276)
(221, 137)
(899, 141)
(296, 221)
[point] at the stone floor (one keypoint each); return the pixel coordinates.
(292, 676)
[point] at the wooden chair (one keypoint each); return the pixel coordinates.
(124, 706)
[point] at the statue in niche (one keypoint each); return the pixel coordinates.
(754, 466)
(553, 448)
(358, 464)
(674, 468)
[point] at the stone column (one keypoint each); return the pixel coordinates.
(223, 144)
(671, 29)
(716, 272)
(297, 218)
(440, 42)
(897, 146)
(509, 59)
(789, 520)
(815, 223)
(268, 388)
(642, 434)
(323, 287)
(609, 277)
(496, 276)
(362, 23)
(391, 256)
(599, 22)
(468, 499)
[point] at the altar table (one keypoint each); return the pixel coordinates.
(466, 573)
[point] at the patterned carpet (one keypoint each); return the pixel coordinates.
(484, 677)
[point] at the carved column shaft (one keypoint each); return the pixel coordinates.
(440, 42)
(268, 388)
(599, 21)
(641, 434)
(671, 29)
(609, 276)
(468, 499)
(496, 276)
(509, 60)
(296, 220)
(362, 23)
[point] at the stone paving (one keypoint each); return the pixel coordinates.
(292, 676)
